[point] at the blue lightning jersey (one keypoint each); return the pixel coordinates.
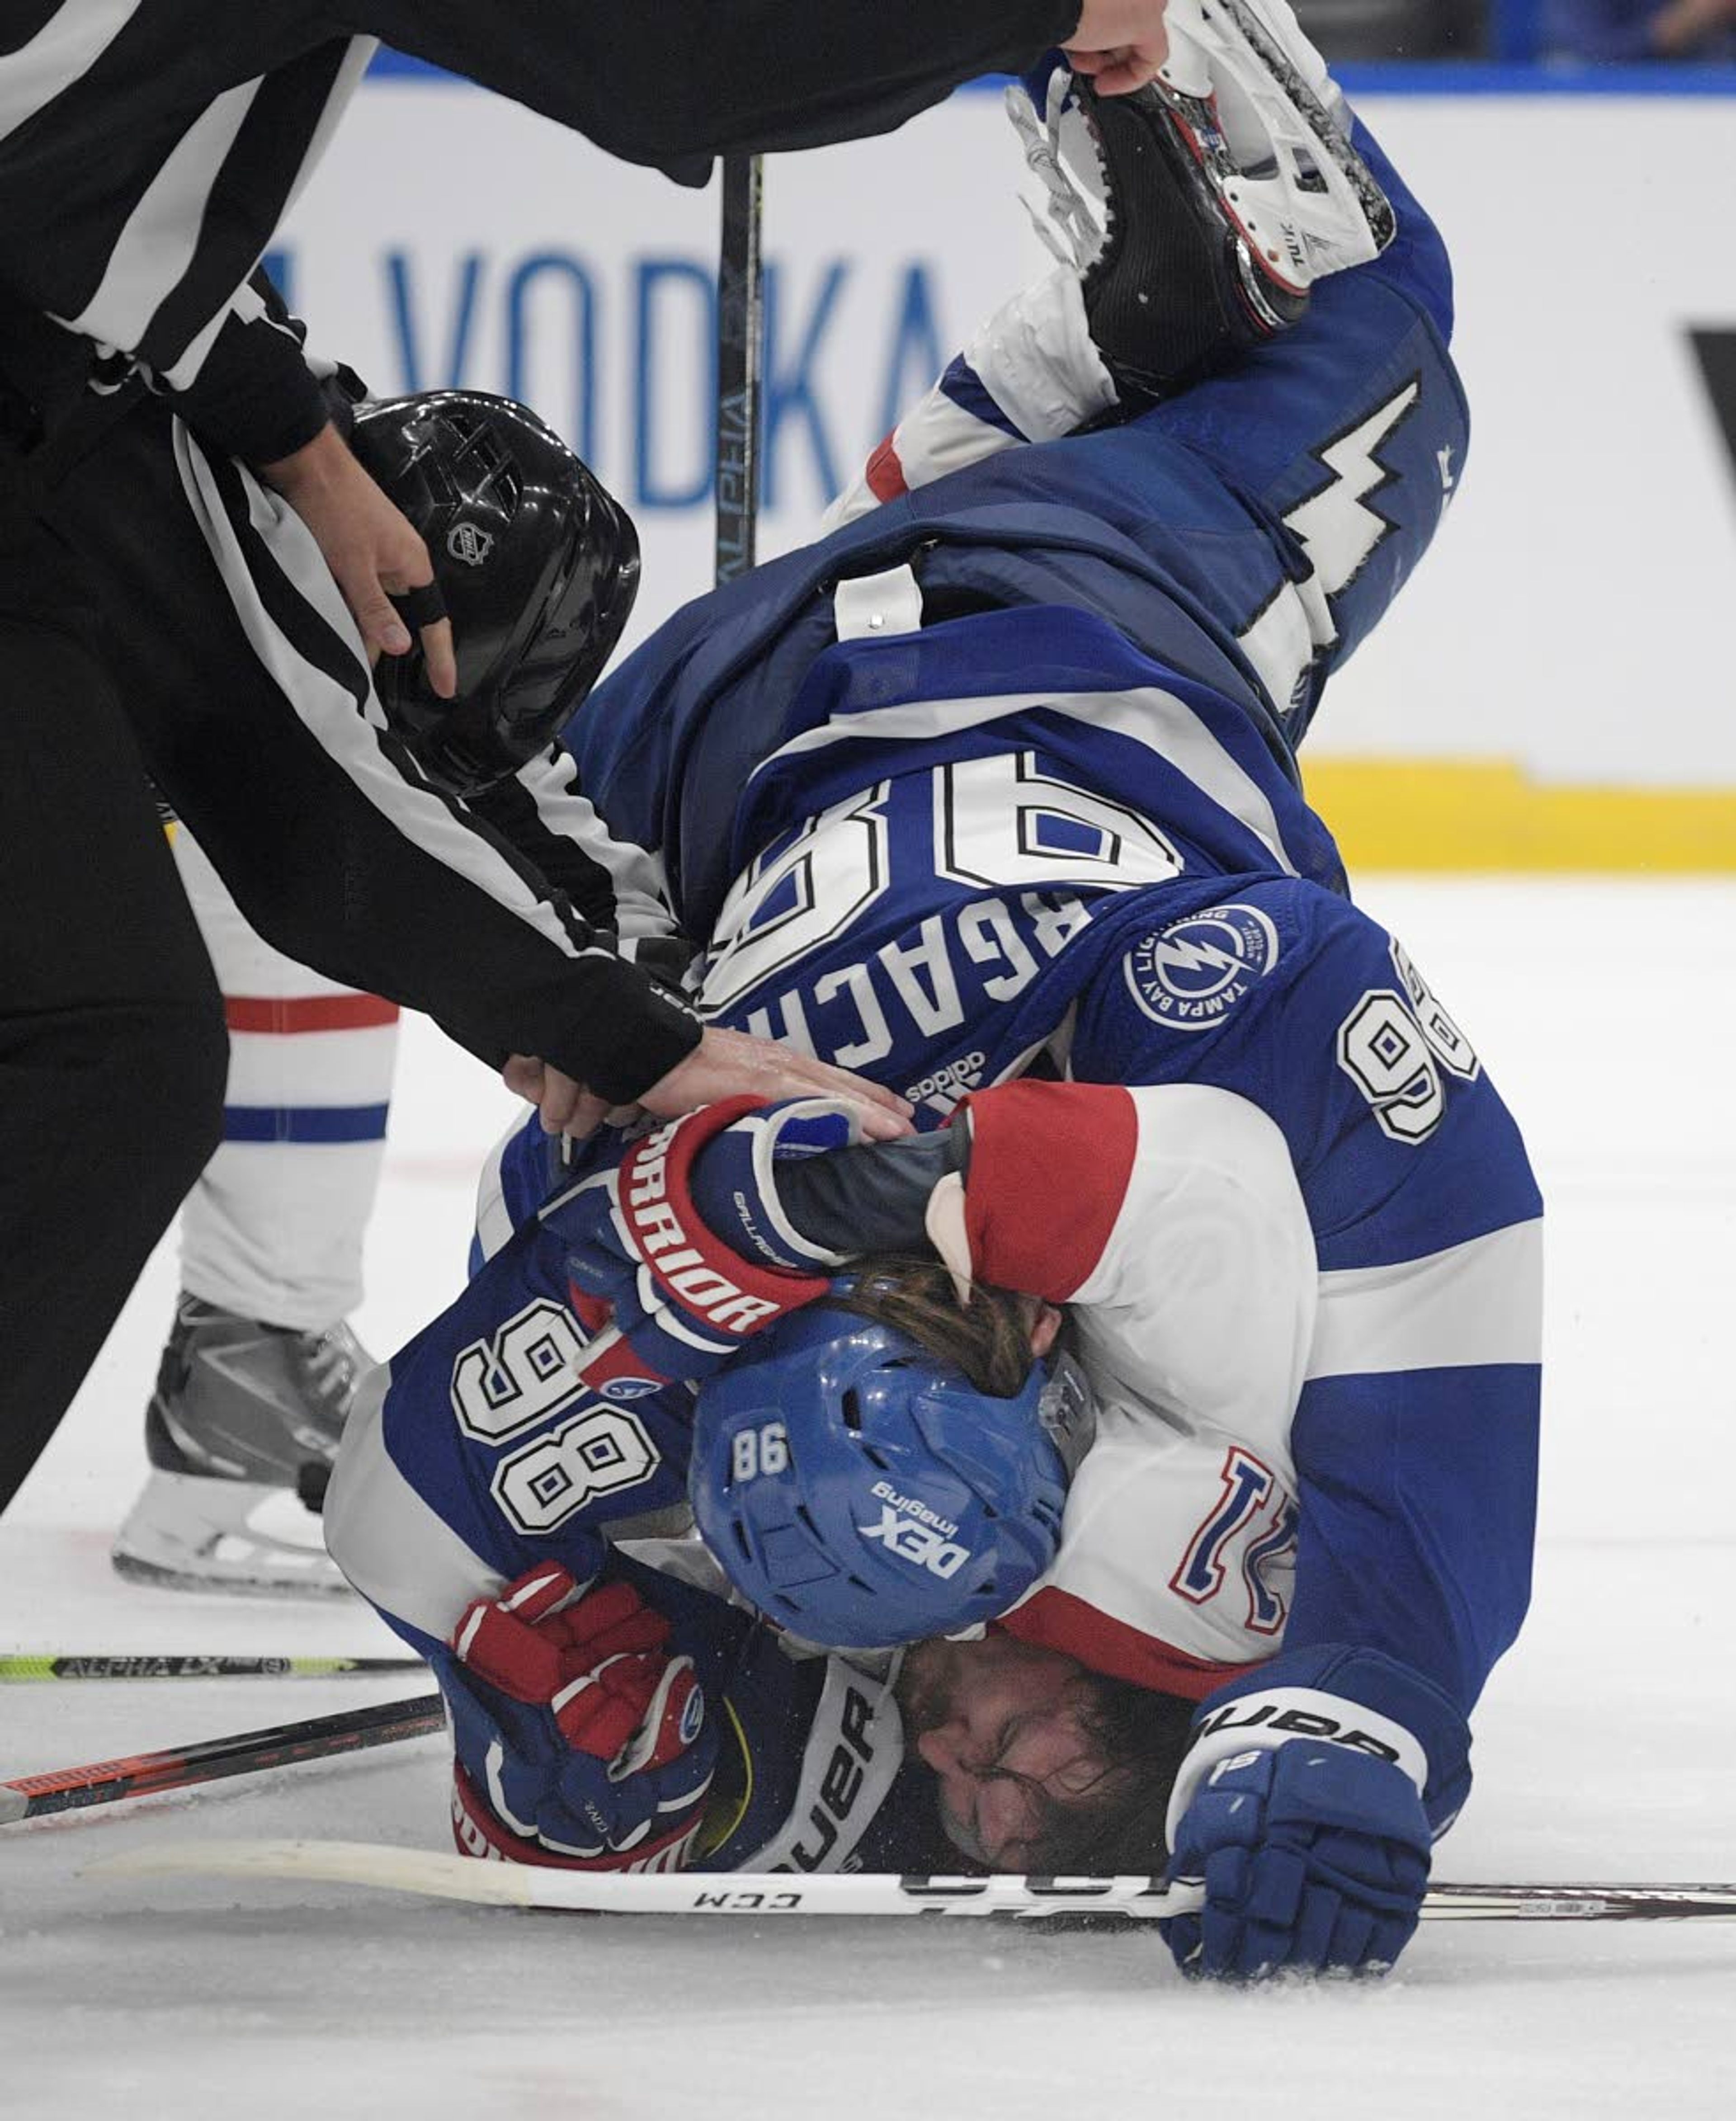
(971, 799)
(1022, 841)
(1105, 868)
(1059, 827)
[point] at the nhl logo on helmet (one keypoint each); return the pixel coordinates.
(468, 543)
(1192, 973)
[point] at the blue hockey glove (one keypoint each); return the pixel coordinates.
(683, 1246)
(580, 1741)
(1312, 1857)
(1306, 1806)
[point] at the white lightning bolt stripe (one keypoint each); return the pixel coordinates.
(1339, 531)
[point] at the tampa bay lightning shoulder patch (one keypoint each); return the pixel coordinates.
(1191, 974)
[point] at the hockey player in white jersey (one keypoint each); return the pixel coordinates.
(261, 1364)
(1000, 777)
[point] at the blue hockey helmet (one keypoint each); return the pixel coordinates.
(860, 1491)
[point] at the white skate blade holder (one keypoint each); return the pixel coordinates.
(187, 1533)
(1304, 199)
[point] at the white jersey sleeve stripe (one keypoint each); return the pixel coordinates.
(161, 234)
(637, 877)
(68, 44)
(405, 1558)
(1477, 1302)
(494, 1226)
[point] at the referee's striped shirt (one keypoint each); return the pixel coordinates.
(149, 148)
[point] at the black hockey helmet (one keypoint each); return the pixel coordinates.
(538, 565)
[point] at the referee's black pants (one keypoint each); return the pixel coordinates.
(161, 614)
(112, 1045)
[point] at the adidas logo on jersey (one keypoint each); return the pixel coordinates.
(947, 1086)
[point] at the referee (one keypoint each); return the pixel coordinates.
(195, 574)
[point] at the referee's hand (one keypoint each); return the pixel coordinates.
(725, 1063)
(372, 552)
(1120, 43)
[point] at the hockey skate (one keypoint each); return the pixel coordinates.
(240, 1433)
(1200, 210)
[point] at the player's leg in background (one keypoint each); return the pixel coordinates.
(261, 1366)
(1202, 483)
(1289, 475)
(1030, 371)
(1294, 492)
(111, 1038)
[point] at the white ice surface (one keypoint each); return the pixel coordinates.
(1606, 1744)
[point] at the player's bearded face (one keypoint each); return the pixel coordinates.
(1001, 1724)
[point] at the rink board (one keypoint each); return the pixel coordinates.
(1569, 632)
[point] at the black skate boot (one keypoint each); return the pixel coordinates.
(1200, 210)
(241, 1432)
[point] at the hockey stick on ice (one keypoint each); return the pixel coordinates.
(16, 1668)
(1089, 1902)
(147, 1775)
(740, 331)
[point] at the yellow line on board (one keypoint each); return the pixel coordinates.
(1490, 814)
(1468, 814)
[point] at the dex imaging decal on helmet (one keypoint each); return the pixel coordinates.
(922, 1538)
(1192, 973)
(914, 1506)
(902, 1501)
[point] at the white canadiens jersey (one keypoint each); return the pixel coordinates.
(1193, 1293)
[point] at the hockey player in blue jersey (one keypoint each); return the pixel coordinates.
(1001, 776)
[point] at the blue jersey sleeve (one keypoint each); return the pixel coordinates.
(484, 1454)
(1414, 1435)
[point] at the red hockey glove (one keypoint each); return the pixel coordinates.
(580, 1741)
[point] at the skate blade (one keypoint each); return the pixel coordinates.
(236, 1581)
(188, 1533)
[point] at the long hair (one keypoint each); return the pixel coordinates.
(1143, 1736)
(989, 1339)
